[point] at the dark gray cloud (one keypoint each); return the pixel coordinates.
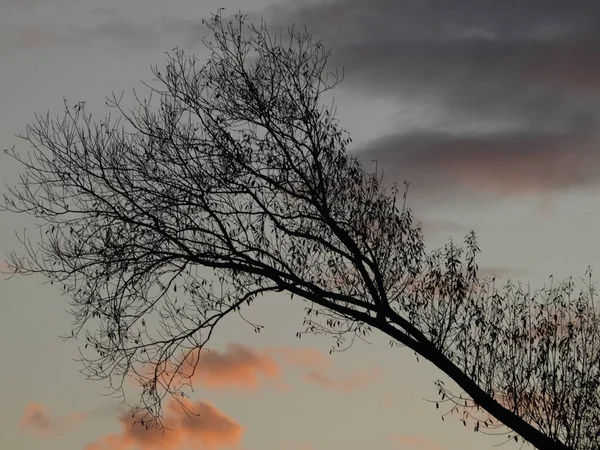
(451, 166)
(527, 70)
(535, 84)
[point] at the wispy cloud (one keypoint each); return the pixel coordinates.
(357, 380)
(300, 356)
(319, 370)
(240, 367)
(37, 419)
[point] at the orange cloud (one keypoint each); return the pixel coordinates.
(238, 366)
(37, 419)
(206, 427)
(418, 443)
(242, 367)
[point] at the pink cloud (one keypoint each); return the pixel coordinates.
(244, 368)
(238, 366)
(205, 427)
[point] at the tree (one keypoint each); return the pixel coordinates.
(236, 183)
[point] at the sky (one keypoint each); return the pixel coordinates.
(490, 108)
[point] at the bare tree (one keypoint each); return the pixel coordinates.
(236, 183)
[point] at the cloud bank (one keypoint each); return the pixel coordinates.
(511, 89)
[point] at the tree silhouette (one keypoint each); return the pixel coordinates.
(236, 182)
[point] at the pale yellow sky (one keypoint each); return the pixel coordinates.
(83, 50)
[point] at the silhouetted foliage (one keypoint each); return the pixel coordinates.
(160, 223)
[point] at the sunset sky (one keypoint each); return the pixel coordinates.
(489, 107)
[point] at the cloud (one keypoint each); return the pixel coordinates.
(318, 366)
(236, 367)
(505, 42)
(511, 88)
(36, 418)
(358, 380)
(240, 367)
(300, 357)
(488, 164)
(202, 425)
(417, 443)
